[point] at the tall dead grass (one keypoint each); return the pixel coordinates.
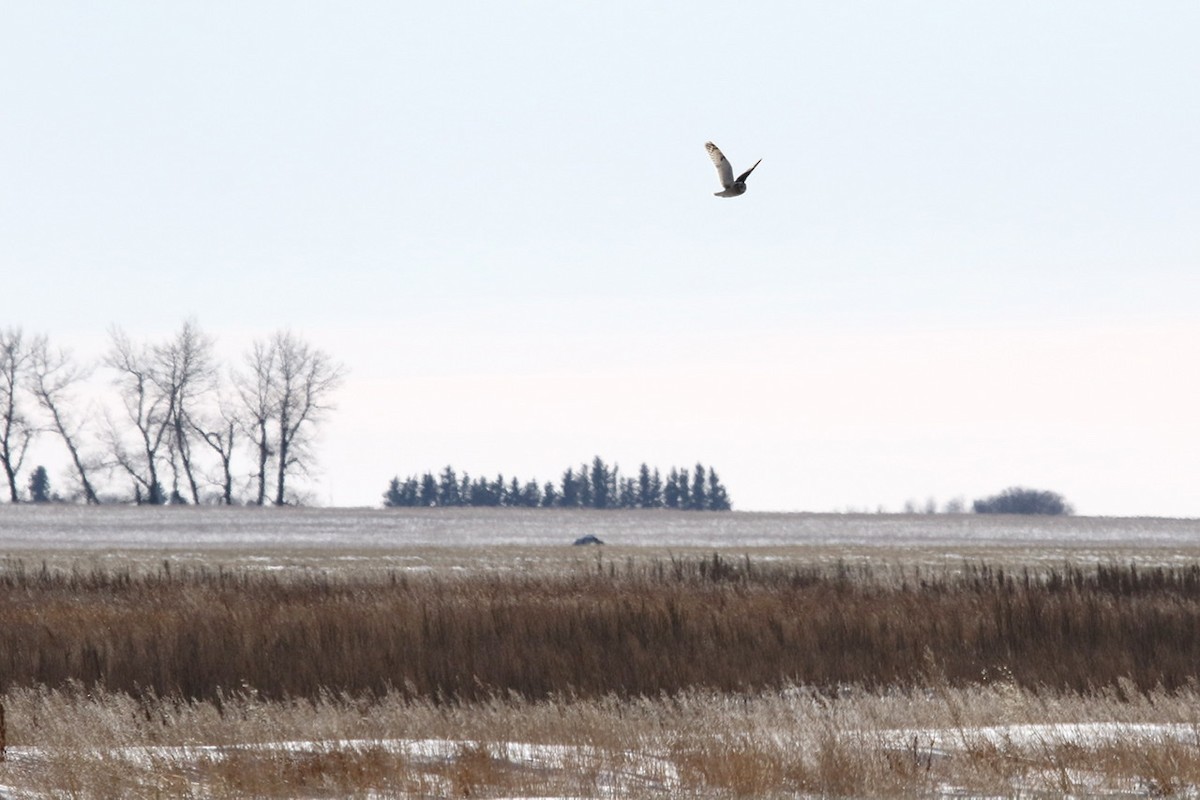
(793, 742)
(701, 677)
(628, 629)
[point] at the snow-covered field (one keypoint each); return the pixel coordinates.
(28, 527)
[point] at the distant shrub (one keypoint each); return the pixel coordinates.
(1018, 500)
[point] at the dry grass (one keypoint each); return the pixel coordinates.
(633, 629)
(652, 677)
(786, 743)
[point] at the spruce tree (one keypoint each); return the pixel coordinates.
(531, 495)
(585, 487)
(601, 490)
(671, 492)
(698, 501)
(401, 494)
(40, 486)
(685, 490)
(643, 486)
(491, 493)
(392, 497)
(448, 493)
(570, 489)
(628, 497)
(429, 490)
(718, 498)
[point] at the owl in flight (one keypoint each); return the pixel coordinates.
(730, 187)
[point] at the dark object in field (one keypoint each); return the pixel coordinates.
(589, 539)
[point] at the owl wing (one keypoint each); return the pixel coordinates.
(724, 170)
(746, 174)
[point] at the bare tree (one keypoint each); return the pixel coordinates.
(17, 430)
(307, 377)
(148, 410)
(286, 395)
(255, 391)
(219, 431)
(53, 375)
(183, 372)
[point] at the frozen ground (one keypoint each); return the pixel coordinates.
(28, 527)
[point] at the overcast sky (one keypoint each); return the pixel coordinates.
(968, 259)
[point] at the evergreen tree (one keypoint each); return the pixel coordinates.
(629, 494)
(585, 487)
(649, 488)
(698, 500)
(429, 490)
(464, 490)
(718, 498)
(402, 494)
(154, 497)
(531, 495)
(685, 491)
(448, 493)
(483, 495)
(601, 495)
(391, 498)
(671, 491)
(39, 486)
(643, 486)
(516, 497)
(550, 496)
(570, 489)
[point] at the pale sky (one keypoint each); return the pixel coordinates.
(968, 259)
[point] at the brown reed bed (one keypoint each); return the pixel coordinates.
(649, 677)
(627, 629)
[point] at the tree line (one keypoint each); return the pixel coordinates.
(182, 427)
(596, 486)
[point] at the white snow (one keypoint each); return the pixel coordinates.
(59, 527)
